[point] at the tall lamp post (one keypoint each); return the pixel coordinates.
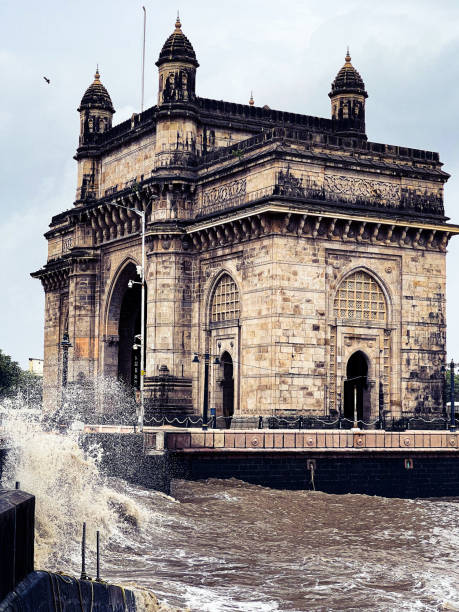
(141, 214)
(443, 383)
(65, 345)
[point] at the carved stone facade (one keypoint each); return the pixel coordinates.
(307, 259)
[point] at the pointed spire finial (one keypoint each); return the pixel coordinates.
(348, 57)
(251, 101)
(178, 25)
(97, 75)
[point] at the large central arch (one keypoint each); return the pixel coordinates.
(121, 360)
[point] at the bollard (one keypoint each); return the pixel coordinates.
(83, 554)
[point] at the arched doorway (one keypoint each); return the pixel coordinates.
(128, 328)
(227, 384)
(356, 389)
(121, 360)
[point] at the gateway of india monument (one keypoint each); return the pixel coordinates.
(303, 261)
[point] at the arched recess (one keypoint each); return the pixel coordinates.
(121, 360)
(361, 310)
(357, 400)
(222, 339)
(224, 396)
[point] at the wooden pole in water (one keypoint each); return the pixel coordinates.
(98, 556)
(83, 554)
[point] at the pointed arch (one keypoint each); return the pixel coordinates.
(114, 285)
(122, 324)
(223, 298)
(361, 295)
(357, 395)
(224, 303)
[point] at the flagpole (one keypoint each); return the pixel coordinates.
(143, 54)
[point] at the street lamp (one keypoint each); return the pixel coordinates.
(443, 382)
(65, 345)
(141, 214)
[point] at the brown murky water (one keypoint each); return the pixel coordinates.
(220, 546)
(232, 546)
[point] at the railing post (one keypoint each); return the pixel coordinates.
(452, 426)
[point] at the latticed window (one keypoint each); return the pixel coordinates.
(225, 301)
(360, 297)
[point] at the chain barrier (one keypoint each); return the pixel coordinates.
(284, 422)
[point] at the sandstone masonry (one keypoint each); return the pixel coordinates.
(308, 260)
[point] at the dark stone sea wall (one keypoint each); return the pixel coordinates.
(405, 476)
(124, 457)
(17, 523)
(44, 591)
(24, 590)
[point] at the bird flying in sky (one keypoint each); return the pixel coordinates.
(47, 80)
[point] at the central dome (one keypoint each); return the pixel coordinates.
(177, 48)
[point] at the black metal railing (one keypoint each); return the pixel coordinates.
(299, 422)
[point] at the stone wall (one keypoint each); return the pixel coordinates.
(429, 476)
(289, 348)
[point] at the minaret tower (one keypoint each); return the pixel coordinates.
(96, 114)
(348, 101)
(177, 65)
(176, 127)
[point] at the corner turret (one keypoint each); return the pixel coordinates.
(177, 65)
(96, 114)
(347, 97)
(96, 110)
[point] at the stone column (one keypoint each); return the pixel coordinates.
(168, 324)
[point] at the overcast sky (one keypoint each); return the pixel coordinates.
(286, 52)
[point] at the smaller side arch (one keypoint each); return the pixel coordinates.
(357, 398)
(229, 299)
(350, 274)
